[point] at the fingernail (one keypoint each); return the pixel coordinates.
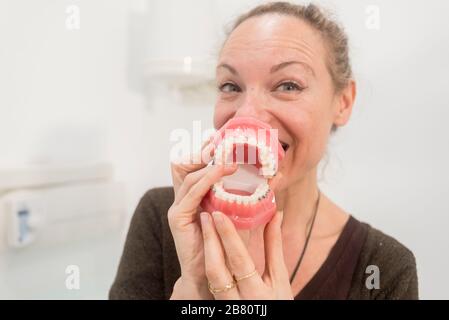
(218, 217)
(204, 218)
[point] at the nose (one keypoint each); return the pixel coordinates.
(253, 105)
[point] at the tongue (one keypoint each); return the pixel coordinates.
(246, 179)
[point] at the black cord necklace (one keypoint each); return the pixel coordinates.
(307, 238)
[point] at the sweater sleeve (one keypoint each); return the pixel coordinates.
(396, 265)
(140, 271)
(403, 284)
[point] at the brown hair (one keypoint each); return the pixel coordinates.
(334, 35)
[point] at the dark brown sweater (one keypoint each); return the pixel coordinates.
(149, 265)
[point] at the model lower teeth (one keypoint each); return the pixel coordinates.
(260, 193)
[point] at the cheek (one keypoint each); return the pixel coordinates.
(310, 130)
(222, 114)
(302, 120)
(313, 119)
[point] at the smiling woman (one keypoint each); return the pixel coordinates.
(287, 66)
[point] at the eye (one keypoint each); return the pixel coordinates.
(289, 86)
(229, 87)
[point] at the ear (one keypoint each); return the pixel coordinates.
(343, 104)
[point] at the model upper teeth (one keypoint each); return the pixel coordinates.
(266, 156)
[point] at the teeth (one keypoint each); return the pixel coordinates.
(260, 193)
(224, 152)
(225, 196)
(240, 139)
(238, 132)
(219, 154)
(229, 141)
(261, 146)
(238, 199)
(252, 141)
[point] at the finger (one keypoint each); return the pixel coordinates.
(206, 153)
(197, 191)
(275, 268)
(217, 273)
(247, 234)
(189, 180)
(191, 163)
(238, 257)
(275, 181)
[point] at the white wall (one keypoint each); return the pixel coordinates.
(67, 95)
(77, 96)
(394, 154)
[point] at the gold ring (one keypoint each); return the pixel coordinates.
(245, 276)
(227, 287)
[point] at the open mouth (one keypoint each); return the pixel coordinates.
(245, 196)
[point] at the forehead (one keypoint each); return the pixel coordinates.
(275, 38)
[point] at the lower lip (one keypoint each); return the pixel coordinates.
(249, 216)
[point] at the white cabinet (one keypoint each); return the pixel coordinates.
(55, 221)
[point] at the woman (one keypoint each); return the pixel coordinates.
(288, 66)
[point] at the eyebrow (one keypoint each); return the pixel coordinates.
(227, 66)
(273, 69)
(287, 63)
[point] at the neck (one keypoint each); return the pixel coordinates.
(298, 203)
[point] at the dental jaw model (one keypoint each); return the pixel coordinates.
(245, 196)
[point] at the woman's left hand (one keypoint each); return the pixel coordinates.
(230, 269)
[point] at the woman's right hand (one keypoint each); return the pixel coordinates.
(191, 183)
